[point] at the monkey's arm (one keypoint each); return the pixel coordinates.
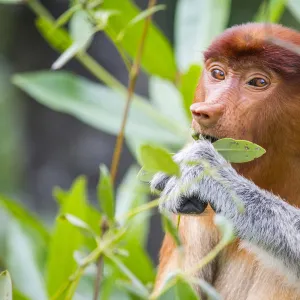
(268, 223)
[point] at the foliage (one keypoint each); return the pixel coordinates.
(61, 263)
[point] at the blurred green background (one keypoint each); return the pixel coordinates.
(41, 148)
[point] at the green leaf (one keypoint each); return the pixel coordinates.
(66, 239)
(66, 16)
(5, 286)
(182, 289)
(170, 228)
(141, 16)
(100, 106)
(58, 38)
(167, 99)
(102, 17)
(226, 228)
(21, 261)
(294, 8)
(270, 11)
(77, 223)
(93, 216)
(18, 295)
(144, 269)
(154, 158)
(163, 64)
(81, 33)
(188, 84)
(145, 176)
(24, 217)
(195, 28)
(11, 1)
(238, 151)
(105, 193)
(131, 194)
(208, 290)
(136, 283)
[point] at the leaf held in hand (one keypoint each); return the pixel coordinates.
(238, 151)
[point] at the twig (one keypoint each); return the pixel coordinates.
(130, 91)
(134, 72)
(104, 229)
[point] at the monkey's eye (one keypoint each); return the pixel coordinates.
(258, 82)
(218, 74)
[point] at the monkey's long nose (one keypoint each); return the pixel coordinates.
(205, 114)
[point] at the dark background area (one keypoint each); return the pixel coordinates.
(41, 148)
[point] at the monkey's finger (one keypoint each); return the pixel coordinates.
(192, 206)
(158, 182)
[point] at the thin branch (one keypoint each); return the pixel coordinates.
(130, 91)
(134, 72)
(104, 229)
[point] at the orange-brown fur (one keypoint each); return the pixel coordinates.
(275, 123)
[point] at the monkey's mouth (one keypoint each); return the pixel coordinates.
(209, 138)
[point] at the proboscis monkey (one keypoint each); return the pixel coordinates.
(250, 90)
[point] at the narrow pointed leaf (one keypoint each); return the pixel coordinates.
(189, 81)
(58, 38)
(100, 106)
(131, 194)
(141, 16)
(270, 11)
(145, 176)
(226, 228)
(182, 289)
(157, 159)
(168, 100)
(77, 223)
(195, 28)
(66, 238)
(170, 227)
(294, 8)
(238, 151)
(21, 261)
(137, 284)
(81, 31)
(24, 217)
(5, 286)
(105, 193)
(163, 64)
(11, 1)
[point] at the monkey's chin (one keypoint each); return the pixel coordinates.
(209, 138)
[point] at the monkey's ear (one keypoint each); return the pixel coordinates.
(192, 206)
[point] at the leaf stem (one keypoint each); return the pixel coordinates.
(104, 229)
(130, 91)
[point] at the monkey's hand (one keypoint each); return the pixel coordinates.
(268, 224)
(203, 170)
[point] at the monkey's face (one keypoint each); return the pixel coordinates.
(250, 87)
(230, 99)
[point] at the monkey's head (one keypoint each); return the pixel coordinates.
(250, 87)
